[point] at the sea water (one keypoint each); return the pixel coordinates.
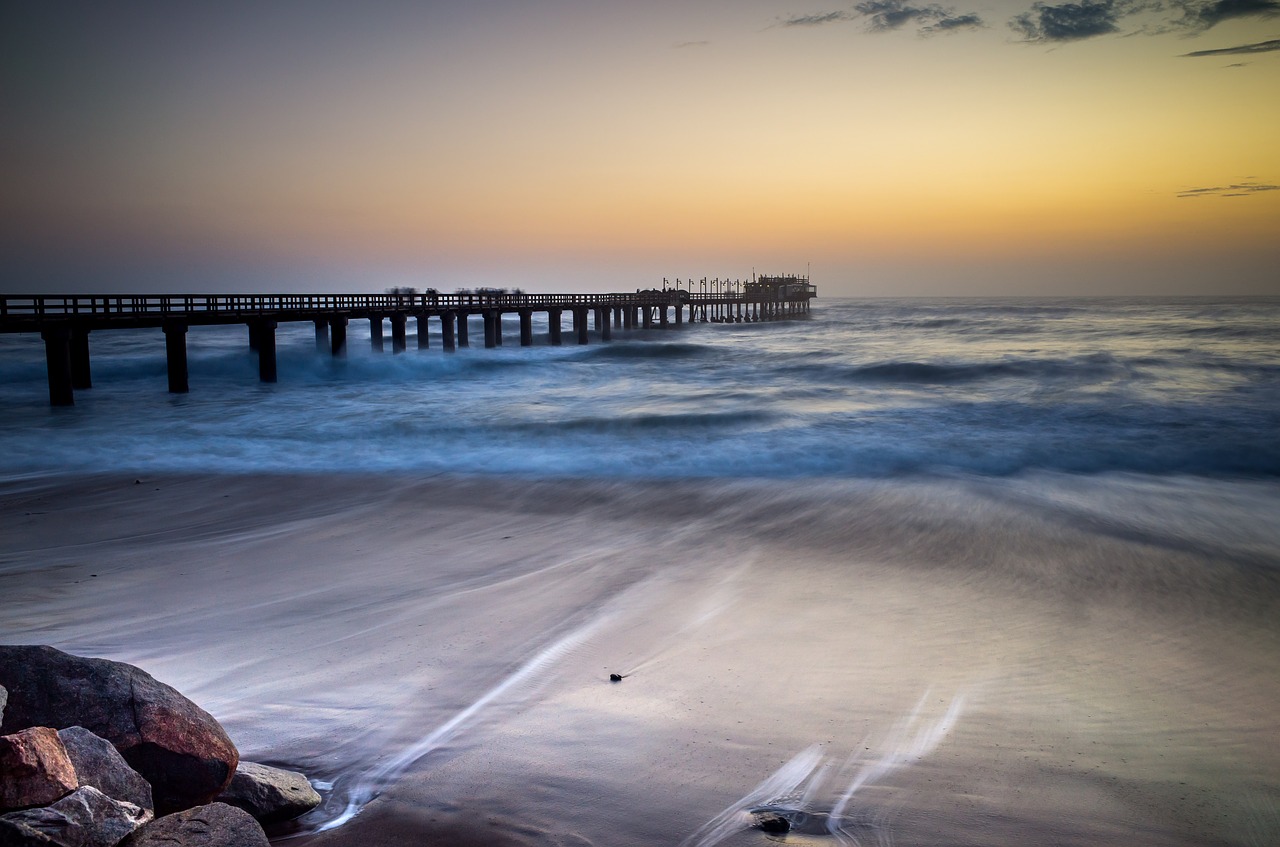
(863, 388)
(914, 572)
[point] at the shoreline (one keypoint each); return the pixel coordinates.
(338, 622)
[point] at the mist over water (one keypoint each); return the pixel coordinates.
(863, 389)
(911, 573)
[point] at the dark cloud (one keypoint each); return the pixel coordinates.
(1203, 15)
(1068, 21)
(1241, 50)
(953, 23)
(886, 15)
(817, 19)
(1239, 189)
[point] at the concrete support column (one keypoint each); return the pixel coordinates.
(322, 336)
(80, 376)
(397, 333)
(662, 315)
(490, 318)
(57, 355)
(447, 322)
(679, 313)
(526, 328)
(375, 332)
(497, 327)
(337, 336)
(580, 323)
(253, 337)
(646, 316)
(175, 348)
(553, 325)
(628, 317)
(604, 324)
(424, 332)
(464, 339)
(266, 333)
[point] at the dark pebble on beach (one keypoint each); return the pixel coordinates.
(771, 822)
(613, 677)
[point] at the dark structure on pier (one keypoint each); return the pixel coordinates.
(65, 322)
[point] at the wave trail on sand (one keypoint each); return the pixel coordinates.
(791, 792)
(785, 780)
(368, 785)
(902, 747)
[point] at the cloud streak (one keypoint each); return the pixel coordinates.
(1239, 189)
(819, 19)
(1240, 50)
(891, 15)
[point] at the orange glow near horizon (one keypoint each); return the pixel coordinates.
(501, 139)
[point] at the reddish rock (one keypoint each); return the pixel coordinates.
(177, 746)
(34, 769)
(84, 818)
(214, 825)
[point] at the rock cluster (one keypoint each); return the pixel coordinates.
(95, 753)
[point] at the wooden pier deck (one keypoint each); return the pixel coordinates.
(66, 321)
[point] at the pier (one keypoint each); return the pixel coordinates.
(65, 322)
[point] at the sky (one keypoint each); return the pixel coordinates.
(887, 147)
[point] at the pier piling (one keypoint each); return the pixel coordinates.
(175, 347)
(337, 336)
(490, 331)
(57, 354)
(375, 332)
(554, 326)
(397, 333)
(266, 333)
(424, 331)
(322, 336)
(80, 376)
(447, 323)
(526, 327)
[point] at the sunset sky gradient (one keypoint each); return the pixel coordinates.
(897, 147)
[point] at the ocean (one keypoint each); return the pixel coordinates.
(905, 572)
(865, 389)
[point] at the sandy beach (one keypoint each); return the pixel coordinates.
(941, 662)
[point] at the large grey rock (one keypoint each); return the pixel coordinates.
(34, 769)
(177, 746)
(100, 764)
(214, 825)
(84, 818)
(270, 794)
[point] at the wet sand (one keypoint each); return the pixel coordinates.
(1038, 660)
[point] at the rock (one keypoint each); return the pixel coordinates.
(615, 677)
(100, 764)
(214, 825)
(772, 822)
(177, 746)
(4, 695)
(270, 794)
(34, 769)
(84, 818)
